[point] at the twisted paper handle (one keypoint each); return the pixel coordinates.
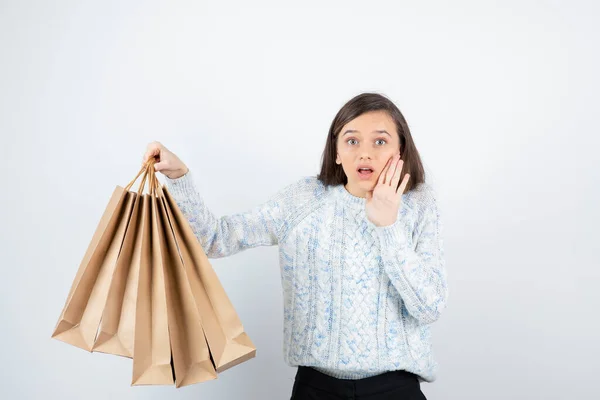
(148, 174)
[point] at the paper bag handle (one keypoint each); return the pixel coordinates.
(148, 171)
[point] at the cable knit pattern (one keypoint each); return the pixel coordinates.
(358, 299)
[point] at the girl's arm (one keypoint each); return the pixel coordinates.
(418, 274)
(227, 235)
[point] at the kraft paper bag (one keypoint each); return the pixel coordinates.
(146, 290)
(228, 342)
(117, 325)
(80, 318)
(152, 345)
(191, 356)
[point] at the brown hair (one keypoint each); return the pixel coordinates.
(333, 174)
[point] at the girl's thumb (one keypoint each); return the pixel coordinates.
(159, 166)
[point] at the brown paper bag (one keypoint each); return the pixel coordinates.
(116, 332)
(191, 356)
(82, 312)
(152, 347)
(229, 344)
(146, 282)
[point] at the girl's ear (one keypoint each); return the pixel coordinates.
(338, 159)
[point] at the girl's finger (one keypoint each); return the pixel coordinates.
(159, 166)
(402, 187)
(151, 153)
(392, 169)
(381, 179)
(396, 177)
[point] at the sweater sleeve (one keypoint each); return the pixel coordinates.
(419, 273)
(227, 235)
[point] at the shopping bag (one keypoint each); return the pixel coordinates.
(227, 340)
(191, 356)
(152, 346)
(146, 290)
(116, 333)
(80, 317)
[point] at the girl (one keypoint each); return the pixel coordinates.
(361, 256)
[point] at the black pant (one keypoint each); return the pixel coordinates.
(314, 385)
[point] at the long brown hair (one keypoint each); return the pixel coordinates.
(333, 174)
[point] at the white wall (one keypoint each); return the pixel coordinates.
(502, 99)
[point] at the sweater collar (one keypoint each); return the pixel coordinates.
(357, 203)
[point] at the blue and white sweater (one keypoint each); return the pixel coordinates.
(358, 299)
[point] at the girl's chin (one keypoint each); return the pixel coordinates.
(363, 185)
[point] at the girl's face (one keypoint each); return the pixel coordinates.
(364, 146)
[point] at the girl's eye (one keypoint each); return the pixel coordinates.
(351, 141)
(381, 140)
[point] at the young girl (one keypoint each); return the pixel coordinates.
(361, 256)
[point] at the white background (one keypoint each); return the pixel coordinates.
(502, 99)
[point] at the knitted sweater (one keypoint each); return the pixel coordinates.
(358, 299)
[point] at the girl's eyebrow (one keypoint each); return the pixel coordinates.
(382, 131)
(355, 131)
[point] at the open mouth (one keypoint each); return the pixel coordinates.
(365, 172)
